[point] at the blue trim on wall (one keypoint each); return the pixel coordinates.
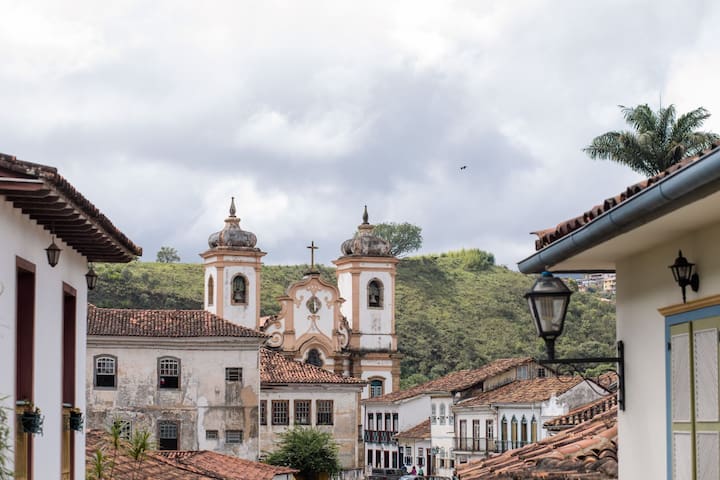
(685, 317)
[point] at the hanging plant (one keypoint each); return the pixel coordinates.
(32, 420)
(76, 420)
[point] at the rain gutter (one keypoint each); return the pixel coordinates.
(697, 180)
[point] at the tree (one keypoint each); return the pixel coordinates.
(403, 237)
(168, 255)
(658, 141)
(306, 449)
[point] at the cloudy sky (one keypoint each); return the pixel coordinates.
(305, 111)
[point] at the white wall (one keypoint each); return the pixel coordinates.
(376, 323)
(20, 236)
(644, 284)
(245, 314)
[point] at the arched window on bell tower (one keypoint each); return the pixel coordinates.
(210, 291)
(375, 293)
(239, 289)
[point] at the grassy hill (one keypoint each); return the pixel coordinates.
(453, 310)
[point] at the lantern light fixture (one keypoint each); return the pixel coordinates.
(91, 278)
(683, 274)
(548, 300)
(53, 253)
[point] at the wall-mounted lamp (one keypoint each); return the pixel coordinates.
(682, 271)
(548, 300)
(53, 253)
(91, 278)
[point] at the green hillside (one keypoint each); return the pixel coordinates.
(454, 310)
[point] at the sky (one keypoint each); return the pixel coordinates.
(305, 111)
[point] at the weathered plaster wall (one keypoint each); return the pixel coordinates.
(204, 401)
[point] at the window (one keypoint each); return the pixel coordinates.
(211, 291)
(541, 373)
(433, 413)
(378, 425)
(476, 435)
(370, 457)
(302, 412)
(211, 435)
(514, 431)
(371, 421)
(280, 412)
(420, 457)
(533, 430)
(443, 418)
(375, 294)
(123, 428)
(105, 373)
(263, 412)
(168, 435)
(233, 436)
(169, 372)
(376, 388)
(239, 289)
(388, 422)
(233, 374)
(522, 372)
(523, 430)
(324, 412)
(503, 434)
(314, 358)
(408, 455)
(395, 422)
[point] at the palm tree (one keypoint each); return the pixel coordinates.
(659, 140)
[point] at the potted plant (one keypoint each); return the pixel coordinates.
(32, 419)
(76, 420)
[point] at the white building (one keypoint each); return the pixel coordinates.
(187, 376)
(670, 426)
(42, 310)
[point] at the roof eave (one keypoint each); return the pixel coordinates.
(686, 185)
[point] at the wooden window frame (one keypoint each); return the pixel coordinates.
(298, 407)
(160, 374)
(102, 356)
(280, 412)
(325, 416)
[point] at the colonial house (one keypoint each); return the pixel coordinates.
(397, 416)
(513, 415)
(668, 320)
(187, 376)
(49, 232)
(294, 393)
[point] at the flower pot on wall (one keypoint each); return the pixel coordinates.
(76, 420)
(32, 421)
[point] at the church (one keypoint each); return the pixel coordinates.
(226, 379)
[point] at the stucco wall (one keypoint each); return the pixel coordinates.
(204, 401)
(644, 284)
(345, 416)
(20, 236)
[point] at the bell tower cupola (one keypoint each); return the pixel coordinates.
(366, 280)
(232, 273)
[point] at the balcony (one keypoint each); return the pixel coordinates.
(378, 436)
(485, 445)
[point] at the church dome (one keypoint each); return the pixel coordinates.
(365, 243)
(232, 236)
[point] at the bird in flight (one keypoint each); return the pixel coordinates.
(463, 167)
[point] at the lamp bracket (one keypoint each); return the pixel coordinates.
(620, 360)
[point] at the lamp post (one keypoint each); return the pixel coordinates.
(548, 300)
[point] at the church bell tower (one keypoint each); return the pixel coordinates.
(366, 280)
(232, 273)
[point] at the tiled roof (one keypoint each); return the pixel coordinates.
(162, 323)
(225, 466)
(585, 452)
(456, 381)
(524, 391)
(550, 235)
(421, 431)
(275, 368)
(181, 465)
(48, 198)
(583, 413)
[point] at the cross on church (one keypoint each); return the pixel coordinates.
(312, 248)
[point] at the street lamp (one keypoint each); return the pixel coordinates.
(548, 300)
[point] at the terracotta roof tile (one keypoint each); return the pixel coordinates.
(181, 465)
(549, 235)
(276, 368)
(524, 391)
(162, 323)
(421, 431)
(40, 191)
(456, 381)
(583, 413)
(586, 451)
